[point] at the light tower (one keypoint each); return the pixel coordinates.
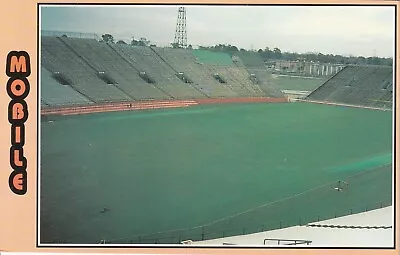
(180, 31)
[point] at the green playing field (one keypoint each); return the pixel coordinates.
(115, 175)
(287, 82)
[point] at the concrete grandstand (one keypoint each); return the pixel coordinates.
(79, 76)
(369, 86)
(257, 70)
(94, 72)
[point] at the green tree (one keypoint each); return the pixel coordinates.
(134, 42)
(175, 45)
(143, 42)
(107, 38)
(277, 53)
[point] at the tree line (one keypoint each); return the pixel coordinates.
(272, 54)
(277, 54)
(108, 38)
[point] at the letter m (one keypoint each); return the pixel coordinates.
(18, 64)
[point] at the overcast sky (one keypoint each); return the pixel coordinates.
(364, 30)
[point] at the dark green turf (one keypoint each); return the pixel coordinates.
(159, 170)
(296, 83)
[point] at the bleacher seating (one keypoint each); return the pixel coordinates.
(265, 83)
(237, 78)
(165, 77)
(358, 85)
(56, 94)
(85, 71)
(242, 76)
(238, 87)
(183, 61)
(57, 57)
(104, 58)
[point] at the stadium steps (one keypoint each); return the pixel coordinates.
(253, 64)
(223, 63)
(165, 78)
(194, 85)
(55, 94)
(385, 99)
(257, 88)
(265, 83)
(231, 82)
(320, 91)
(249, 61)
(108, 79)
(357, 85)
(373, 92)
(238, 62)
(182, 60)
(103, 58)
(242, 76)
(57, 57)
(138, 68)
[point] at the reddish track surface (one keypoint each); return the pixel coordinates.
(127, 106)
(241, 100)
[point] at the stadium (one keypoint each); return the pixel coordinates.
(163, 145)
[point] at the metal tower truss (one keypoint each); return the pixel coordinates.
(180, 31)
